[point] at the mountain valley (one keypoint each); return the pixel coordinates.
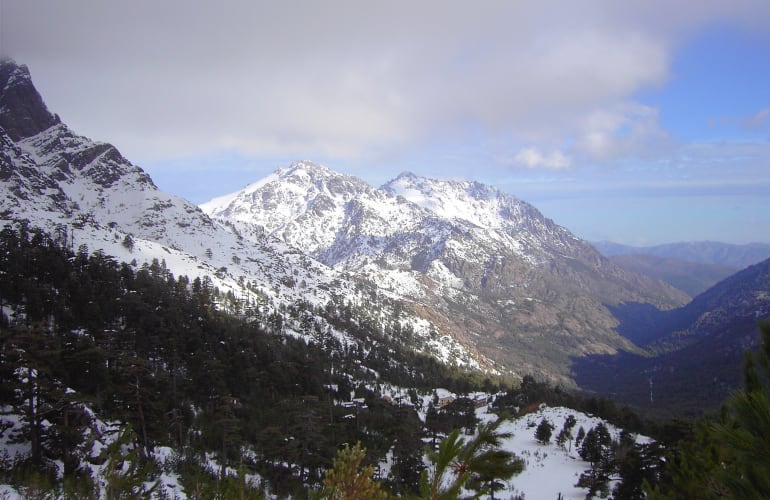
(239, 342)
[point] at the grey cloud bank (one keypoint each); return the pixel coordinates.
(488, 90)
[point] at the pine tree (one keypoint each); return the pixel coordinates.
(596, 444)
(128, 243)
(407, 452)
(745, 433)
(28, 363)
(638, 465)
(544, 431)
(564, 437)
(347, 480)
(580, 436)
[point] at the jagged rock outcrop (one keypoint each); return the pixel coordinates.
(23, 111)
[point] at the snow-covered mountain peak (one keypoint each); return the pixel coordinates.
(318, 179)
(480, 204)
(306, 169)
(288, 194)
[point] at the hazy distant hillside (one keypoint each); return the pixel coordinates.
(699, 348)
(690, 277)
(702, 252)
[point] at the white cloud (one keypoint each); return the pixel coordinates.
(627, 129)
(532, 158)
(345, 78)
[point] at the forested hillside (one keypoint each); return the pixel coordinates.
(84, 334)
(124, 381)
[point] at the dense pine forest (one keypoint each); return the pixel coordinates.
(86, 338)
(137, 344)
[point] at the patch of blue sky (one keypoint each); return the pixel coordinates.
(719, 82)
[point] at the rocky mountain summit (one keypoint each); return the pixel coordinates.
(489, 269)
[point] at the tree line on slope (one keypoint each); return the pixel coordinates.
(144, 347)
(139, 345)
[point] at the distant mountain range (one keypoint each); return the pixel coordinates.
(701, 252)
(692, 267)
(690, 277)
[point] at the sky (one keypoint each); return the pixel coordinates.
(640, 122)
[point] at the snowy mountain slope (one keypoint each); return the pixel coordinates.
(86, 193)
(485, 268)
(483, 206)
(337, 218)
(475, 273)
(538, 240)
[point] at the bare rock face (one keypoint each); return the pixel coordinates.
(24, 112)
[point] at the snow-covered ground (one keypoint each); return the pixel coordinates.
(549, 469)
(98, 436)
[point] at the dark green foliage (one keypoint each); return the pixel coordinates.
(597, 449)
(564, 438)
(128, 242)
(596, 444)
(729, 457)
(476, 464)
(407, 453)
(200, 482)
(636, 465)
(187, 366)
(580, 436)
(544, 431)
(459, 414)
(632, 465)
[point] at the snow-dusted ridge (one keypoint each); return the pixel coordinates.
(86, 193)
(464, 255)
